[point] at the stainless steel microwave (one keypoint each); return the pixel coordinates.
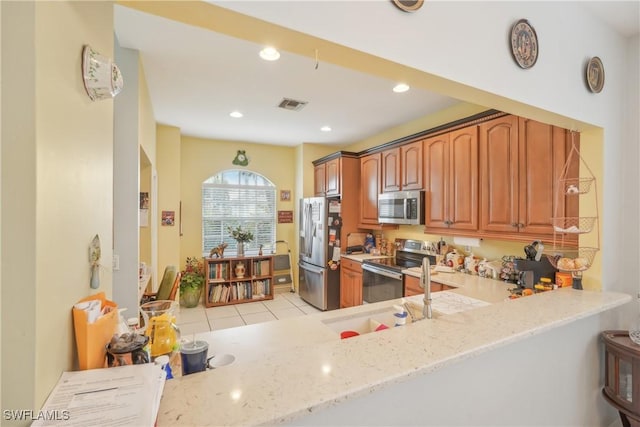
(401, 207)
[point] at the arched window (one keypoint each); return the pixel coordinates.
(238, 197)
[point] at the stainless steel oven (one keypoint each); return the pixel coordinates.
(382, 278)
(380, 284)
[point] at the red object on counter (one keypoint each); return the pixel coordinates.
(348, 334)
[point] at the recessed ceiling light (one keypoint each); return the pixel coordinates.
(401, 87)
(325, 128)
(235, 114)
(269, 54)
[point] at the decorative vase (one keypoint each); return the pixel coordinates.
(95, 277)
(190, 298)
(240, 270)
(240, 252)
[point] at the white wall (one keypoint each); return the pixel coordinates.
(57, 181)
(126, 183)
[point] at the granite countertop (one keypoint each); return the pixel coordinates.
(287, 368)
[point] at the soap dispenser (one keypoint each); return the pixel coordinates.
(400, 315)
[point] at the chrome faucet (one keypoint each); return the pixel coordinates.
(425, 283)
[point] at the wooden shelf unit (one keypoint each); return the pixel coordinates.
(223, 287)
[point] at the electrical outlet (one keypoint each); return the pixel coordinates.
(116, 262)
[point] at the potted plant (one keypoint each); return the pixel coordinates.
(241, 236)
(191, 282)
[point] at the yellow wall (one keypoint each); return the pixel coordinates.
(168, 166)
(202, 158)
(61, 184)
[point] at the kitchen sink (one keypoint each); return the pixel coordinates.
(364, 322)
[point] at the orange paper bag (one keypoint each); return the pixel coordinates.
(92, 338)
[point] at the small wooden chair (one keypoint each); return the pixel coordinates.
(168, 288)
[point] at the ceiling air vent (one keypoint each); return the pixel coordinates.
(292, 104)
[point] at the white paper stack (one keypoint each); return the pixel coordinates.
(125, 395)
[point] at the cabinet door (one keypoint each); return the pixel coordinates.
(411, 159)
(499, 187)
(346, 288)
(436, 161)
(319, 176)
(538, 154)
(369, 188)
(350, 288)
(332, 177)
(463, 173)
(391, 173)
(412, 286)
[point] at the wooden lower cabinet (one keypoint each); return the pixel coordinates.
(412, 286)
(350, 283)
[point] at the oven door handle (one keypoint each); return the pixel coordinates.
(367, 267)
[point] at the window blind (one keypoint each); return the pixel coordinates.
(234, 198)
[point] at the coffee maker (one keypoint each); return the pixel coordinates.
(529, 272)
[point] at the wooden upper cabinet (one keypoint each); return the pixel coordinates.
(391, 170)
(520, 163)
(370, 171)
(411, 160)
(499, 176)
(332, 177)
(451, 180)
(327, 178)
(319, 180)
(436, 160)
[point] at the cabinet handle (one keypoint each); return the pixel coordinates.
(520, 225)
(514, 224)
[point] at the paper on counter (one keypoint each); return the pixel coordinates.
(125, 395)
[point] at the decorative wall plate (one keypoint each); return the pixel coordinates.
(595, 75)
(102, 78)
(524, 44)
(408, 5)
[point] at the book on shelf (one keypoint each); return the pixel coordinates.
(261, 267)
(219, 271)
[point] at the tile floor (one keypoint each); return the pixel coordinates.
(201, 319)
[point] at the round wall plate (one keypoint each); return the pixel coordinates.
(409, 5)
(524, 44)
(595, 75)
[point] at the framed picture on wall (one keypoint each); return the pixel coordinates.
(285, 195)
(168, 218)
(144, 200)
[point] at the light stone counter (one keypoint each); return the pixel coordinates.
(287, 369)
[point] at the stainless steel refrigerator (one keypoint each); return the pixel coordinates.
(319, 279)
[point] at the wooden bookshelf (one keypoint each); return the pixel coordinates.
(223, 286)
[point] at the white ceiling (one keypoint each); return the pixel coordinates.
(197, 77)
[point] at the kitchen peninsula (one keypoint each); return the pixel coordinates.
(489, 365)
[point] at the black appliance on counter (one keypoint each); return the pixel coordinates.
(529, 272)
(382, 278)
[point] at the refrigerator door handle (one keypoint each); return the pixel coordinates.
(311, 269)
